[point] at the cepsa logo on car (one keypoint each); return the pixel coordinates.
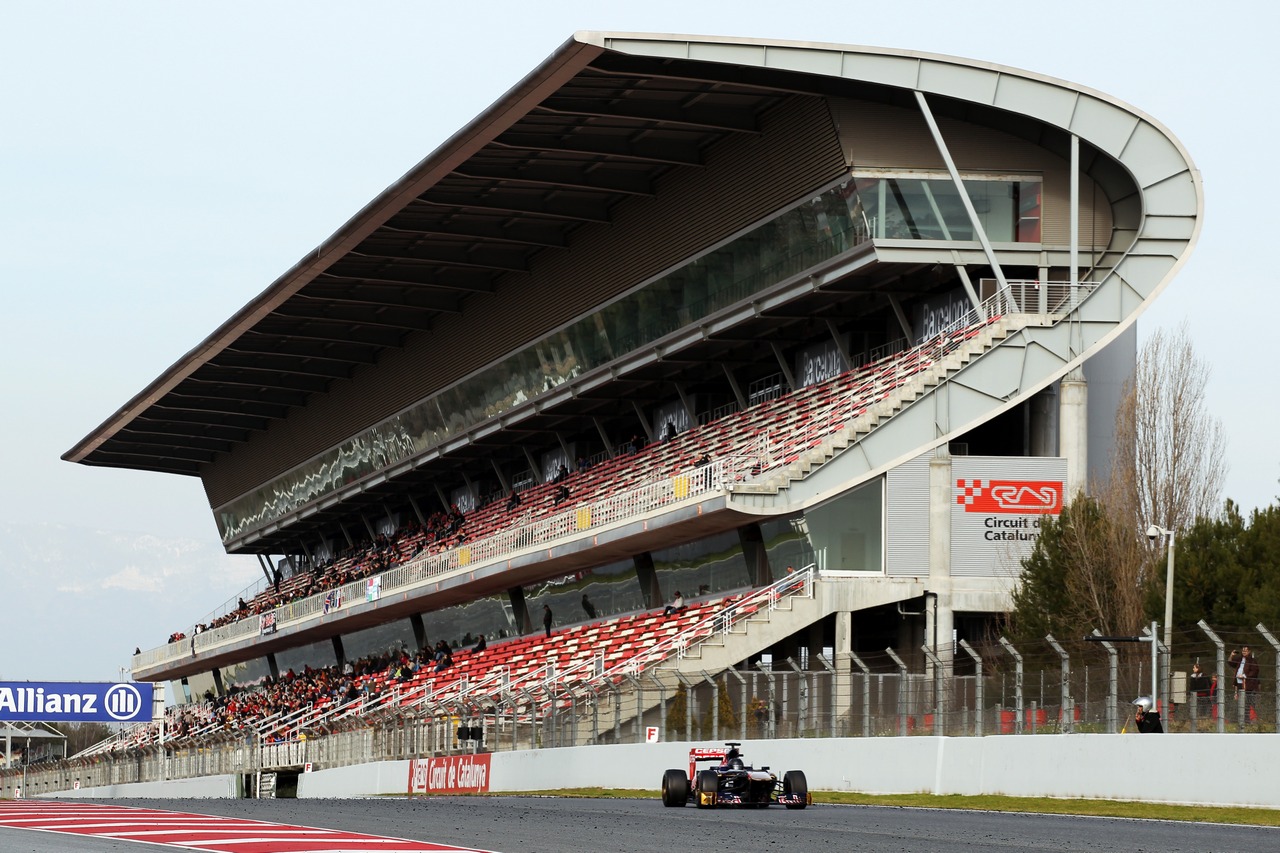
(455, 774)
(1015, 497)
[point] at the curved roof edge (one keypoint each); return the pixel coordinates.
(1143, 146)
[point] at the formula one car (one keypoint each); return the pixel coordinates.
(732, 783)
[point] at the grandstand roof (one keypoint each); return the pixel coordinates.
(582, 133)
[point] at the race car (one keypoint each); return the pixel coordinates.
(731, 782)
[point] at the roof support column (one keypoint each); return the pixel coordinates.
(733, 386)
(265, 566)
(974, 300)
(604, 436)
(688, 405)
(417, 511)
(964, 194)
(841, 346)
(534, 467)
(644, 421)
(902, 317)
(782, 363)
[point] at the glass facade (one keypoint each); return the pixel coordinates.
(848, 533)
(833, 220)
(711, 565)
(929, 207)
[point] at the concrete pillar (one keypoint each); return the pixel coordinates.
(520, 610)
(339, 654)
(218, 687)
(1073, 433)
(419, 630)
(272, 666)
(1044, 440)
(647, 576)
(842, 690)
(939, 613)
(753, 550)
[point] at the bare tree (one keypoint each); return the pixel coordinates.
(1171, 450)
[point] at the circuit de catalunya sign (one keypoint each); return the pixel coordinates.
(74, 701)
(454, 774)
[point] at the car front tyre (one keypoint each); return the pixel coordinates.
(794, 784)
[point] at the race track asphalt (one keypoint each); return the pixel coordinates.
(554, 825)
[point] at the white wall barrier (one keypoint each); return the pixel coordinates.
(1200, 769)
(199, 788)
(1203, 769)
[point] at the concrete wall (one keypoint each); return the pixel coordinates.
(1203, 769)
(202, 788)
(1169, 768)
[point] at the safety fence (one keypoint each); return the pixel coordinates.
(993, 689)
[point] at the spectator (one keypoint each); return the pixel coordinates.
(547, 618)
(583, 464)
(481, 645)
(636, 444)
(1245, 666)
(240, 605)
(1199, 685)
(562, 474)
(669, 432)
(676, 605)
(562, 494)
(514, 500)
(587, 607)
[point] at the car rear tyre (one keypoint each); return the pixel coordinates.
(708, 787)
(794, 783)
(675, 788)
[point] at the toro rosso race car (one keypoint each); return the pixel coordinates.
(730, 782)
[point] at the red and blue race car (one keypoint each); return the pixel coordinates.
(732, 782)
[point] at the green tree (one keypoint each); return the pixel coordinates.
(677, 711)
(1085, 572)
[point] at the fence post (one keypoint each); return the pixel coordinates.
(715, 705)
(902, 685)
(866, 693)
(831, 695)
(1067, 704)
(742, 715)
(977, 691)
(1113, 687)
(639, 691)
(771, 728)
(939, 713)
(1017, 684)
(802, 696)
(1219, 701)
(1262, 629)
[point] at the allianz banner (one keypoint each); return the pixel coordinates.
(75, 701)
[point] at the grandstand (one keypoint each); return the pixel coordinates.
(674, 313)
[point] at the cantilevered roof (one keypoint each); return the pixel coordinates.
(595, 125)
(577, 137)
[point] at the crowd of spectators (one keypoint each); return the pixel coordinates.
(443, 530)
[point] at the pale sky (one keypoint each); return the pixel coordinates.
(161, 163)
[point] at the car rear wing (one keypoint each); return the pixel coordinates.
(703, 753)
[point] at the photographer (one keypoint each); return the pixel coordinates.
(1145, 717)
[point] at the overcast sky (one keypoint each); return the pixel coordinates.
(161, 163)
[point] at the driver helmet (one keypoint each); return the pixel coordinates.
(1143, 703)
(735, 763)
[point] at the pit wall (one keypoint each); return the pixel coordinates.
(200, 788)
(1154, 768)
